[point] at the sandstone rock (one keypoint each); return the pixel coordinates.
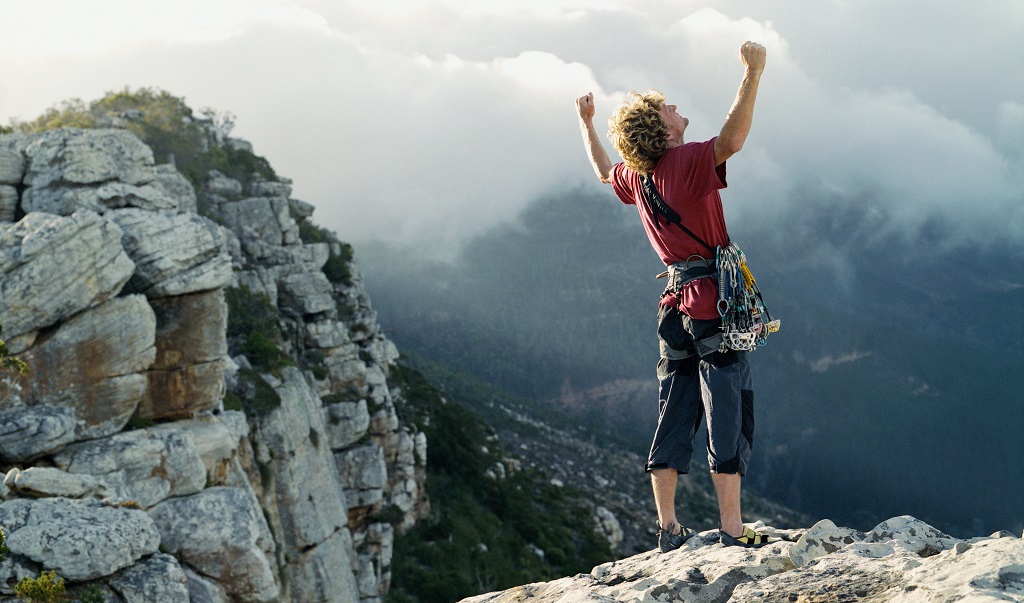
(176, 187)
(363, 474)
(12, 158)
(292, 441)
(345, 423)
(702, 570)
(912, 534)
(216, 532)
(73, 169)
(214, 441)
(823, 538)
(269, 188)
(72, 156)
(145, 465)
(607, 525)
(30, 432)
(202, 590)
(8, 203)
(323, 573)
(80, 540)
(260, 219)
(306, 293)
(187, 375)
(93, 364)
(326, 334)
(51, 482)
(174, 254)
(157, 578)
(53, 267)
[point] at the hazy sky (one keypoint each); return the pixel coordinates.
(425, 121)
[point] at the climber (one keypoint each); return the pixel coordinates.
(697, 379)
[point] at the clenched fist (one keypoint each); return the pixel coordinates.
(585, 106)
(753, 56)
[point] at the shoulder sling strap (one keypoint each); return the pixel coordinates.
(658, 206)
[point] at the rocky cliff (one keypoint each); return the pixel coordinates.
(206, 415)
(902, 559)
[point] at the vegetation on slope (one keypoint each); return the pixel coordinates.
(485, 532)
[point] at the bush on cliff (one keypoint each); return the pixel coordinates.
(194, 144)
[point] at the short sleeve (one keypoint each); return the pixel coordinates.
(694, 164)
(622, 183)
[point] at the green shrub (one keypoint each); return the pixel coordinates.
(91, 594)
(257, 396)
(47, 588)
(165, 123)
(3, 545)
(253, 329)
(8, 363)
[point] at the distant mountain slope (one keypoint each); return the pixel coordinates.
(896, 380)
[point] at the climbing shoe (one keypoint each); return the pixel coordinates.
(749, 539)
(667, 541)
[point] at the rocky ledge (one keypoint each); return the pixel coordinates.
(902, 559)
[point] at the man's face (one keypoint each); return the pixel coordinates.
(676, 123)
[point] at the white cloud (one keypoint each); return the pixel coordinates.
(428, 121)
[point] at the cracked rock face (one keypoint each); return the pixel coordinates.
(80, 540)
(903, 559)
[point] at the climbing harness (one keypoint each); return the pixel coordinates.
(746, 322)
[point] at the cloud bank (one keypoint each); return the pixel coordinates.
(426, 122)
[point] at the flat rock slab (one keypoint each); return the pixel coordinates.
(52, 267)
(144, 465)
(174, 254)
(27, 433)
(80, 540)
(156, 578)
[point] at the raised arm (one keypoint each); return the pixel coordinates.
(591, 141)
(741, 115)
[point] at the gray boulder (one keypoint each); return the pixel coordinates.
(12, 158)
(52, 267)
(27, 433)
(323, 573)
(144, 465)
(260, 219)
(203, 590)
(216, 532)
(80, 540)
(156, 578)
(306, 293)
(220, 185)
(93, 364)
(346, 423)
(364, 473)
(174, 254)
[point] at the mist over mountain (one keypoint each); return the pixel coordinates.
(894, 386)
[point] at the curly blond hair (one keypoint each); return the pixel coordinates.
(638, 132)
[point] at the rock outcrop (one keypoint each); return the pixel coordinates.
(130, 464)
(902, 559)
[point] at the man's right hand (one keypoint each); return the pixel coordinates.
(585, 106)
(753, 56)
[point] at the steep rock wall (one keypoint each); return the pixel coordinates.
(118, 442)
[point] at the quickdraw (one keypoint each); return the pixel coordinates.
(746, 322)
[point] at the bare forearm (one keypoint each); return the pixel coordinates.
(599, 159)
(741, 115)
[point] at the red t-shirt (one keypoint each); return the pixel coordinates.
(688, 181)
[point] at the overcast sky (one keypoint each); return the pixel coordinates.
(425, 121)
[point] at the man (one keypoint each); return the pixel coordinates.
(696, 380)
